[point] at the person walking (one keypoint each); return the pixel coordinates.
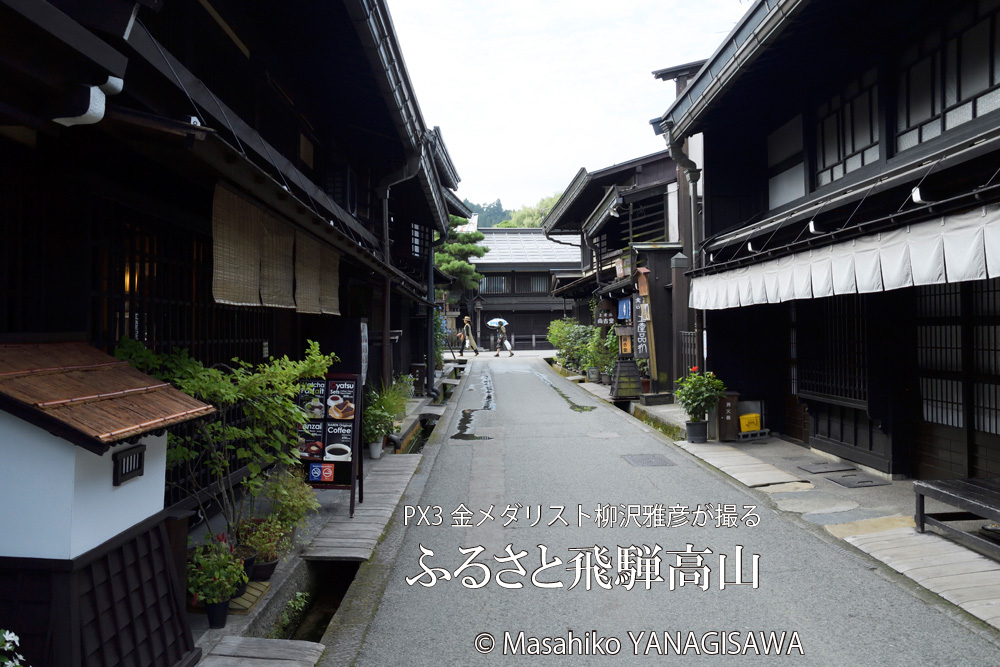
(467, 338)
(502, 340)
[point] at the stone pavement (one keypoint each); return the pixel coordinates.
(519, 434)
(877, 520)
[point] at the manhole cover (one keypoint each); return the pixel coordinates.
(857, 481)
(647, 460)
(830, 466)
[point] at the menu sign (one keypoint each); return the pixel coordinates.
(328, 442)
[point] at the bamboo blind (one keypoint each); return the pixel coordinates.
(307, 274)
(276, 265)
(237, 230)
(329, 285)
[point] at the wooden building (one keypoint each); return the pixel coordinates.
(625, 218)
(849, 274)
(518, 274)
(225, 177)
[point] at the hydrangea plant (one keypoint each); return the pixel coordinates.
(698, 393)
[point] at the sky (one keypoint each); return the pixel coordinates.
(526, 92)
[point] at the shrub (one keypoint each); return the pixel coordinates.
(268, 536)
(291, 499)
(571, 339)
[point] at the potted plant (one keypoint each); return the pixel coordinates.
(376, 423)
(270, 538)
(213, 576)
(698, 393)
(644, 379)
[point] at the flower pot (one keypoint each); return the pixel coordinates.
(697, 431)
(249, 556)
(375, 449)
(606, 378)
(263, 571)
(645, 385)
(218, 613)
(593, 374)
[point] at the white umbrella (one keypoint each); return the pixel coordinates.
(497, 322)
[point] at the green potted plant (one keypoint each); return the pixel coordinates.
(643, 365)
(213, 576)
(376, 423)
(698, 393)
(271, 538)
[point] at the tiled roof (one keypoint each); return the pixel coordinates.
(86, 396)
(525, 246)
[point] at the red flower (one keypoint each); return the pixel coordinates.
(694, 369)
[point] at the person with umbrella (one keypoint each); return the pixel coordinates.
(466, 337)
(500, 324)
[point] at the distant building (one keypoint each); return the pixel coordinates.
(518, 275)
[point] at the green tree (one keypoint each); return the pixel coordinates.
(490, 215)
(531, 216)
(453, 255)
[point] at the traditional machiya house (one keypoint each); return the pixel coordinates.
(224, 177)
(848, 270)
(625, 220)
(518, 274)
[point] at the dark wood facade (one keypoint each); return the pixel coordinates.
(119, 125)
(854, 129)
(625, 217)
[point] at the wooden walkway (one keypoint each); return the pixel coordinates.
(253, 651)
(344, 538)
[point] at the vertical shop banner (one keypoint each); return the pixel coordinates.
(641, 319)
(641, 340)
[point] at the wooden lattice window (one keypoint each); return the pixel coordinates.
(833, 360)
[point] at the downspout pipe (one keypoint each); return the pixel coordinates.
(693, 174)
(431, 333)
(409, 170)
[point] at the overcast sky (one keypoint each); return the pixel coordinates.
(528, 91)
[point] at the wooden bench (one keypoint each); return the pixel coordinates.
(975, 498)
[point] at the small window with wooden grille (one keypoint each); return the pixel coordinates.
(128, 464)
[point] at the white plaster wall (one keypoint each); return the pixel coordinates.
(36, 490)
(58, 500)
(102, 510)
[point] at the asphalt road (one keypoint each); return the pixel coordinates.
(529, 444)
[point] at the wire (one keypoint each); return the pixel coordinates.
(174, 72)
(919, 183)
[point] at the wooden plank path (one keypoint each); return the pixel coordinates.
(344, 538)
(433, 410)
(257, 652)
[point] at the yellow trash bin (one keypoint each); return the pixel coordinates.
(749, 422)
